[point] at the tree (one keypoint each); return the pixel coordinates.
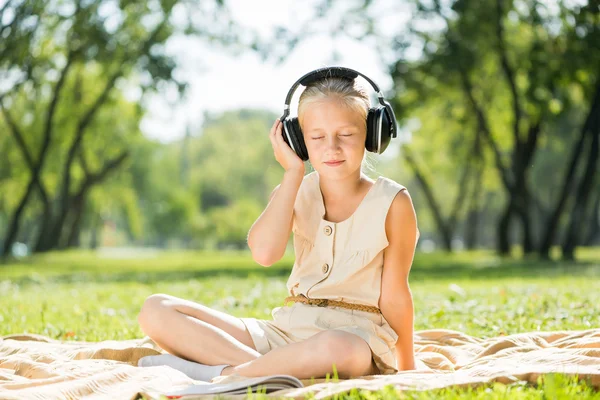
(506, 59)
(48, 48)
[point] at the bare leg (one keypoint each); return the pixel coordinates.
(195, 332)
(313, 357)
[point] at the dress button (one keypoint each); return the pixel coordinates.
(325, 268)
(328, 230)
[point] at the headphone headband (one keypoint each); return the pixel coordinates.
(326, 72)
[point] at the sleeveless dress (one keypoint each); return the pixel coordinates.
(340, 261)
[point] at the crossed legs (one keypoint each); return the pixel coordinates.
(198, 333)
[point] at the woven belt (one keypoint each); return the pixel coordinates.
(331, 303)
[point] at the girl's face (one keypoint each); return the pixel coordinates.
(334, 132)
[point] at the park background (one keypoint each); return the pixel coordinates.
(134, 154)
(145, 124)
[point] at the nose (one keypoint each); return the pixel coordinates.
(333, 144)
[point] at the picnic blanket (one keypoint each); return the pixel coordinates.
(37, 367)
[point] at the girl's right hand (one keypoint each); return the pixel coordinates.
(284, 154)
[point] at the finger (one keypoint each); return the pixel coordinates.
(273, 133)
(279, 134)
(275, 123)
(278, 127)
(283, 144)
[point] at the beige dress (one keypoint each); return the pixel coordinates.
(340, 261)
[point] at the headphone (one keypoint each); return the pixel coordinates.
(381, 121)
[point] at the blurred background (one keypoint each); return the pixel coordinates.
(132, 126)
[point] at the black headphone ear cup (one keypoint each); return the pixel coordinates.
(378, 130)
(371, 140)
(292, 128)
(386, 130)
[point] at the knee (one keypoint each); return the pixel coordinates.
(150, 314)
(350, 353)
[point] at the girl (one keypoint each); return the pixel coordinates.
(354, 242)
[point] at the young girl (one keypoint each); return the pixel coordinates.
(354, 241)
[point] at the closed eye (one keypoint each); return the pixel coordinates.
(321, 137)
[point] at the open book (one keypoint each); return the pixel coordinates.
(262, 384)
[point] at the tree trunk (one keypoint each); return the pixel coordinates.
(583, 193)
(551, 227)
(45, 222)
(77, 208)
(523, 212)
(594, 231)
(15, 220)
(523, 156)
(471, 228)
(36, 167)
(503, 240)
(523, 150)
(443, 229)
(52, 239)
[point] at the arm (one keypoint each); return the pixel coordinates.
(396, 302)
(268, 236)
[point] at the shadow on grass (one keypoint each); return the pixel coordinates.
(153, 276)
(431, 270)
(504, 269)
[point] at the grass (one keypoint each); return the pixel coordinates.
(96, 296)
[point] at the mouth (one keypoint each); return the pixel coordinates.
(334, 163)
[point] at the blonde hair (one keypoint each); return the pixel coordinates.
(347, 92)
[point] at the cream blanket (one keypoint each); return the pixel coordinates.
(36, 367)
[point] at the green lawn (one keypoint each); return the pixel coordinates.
(87, 296)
